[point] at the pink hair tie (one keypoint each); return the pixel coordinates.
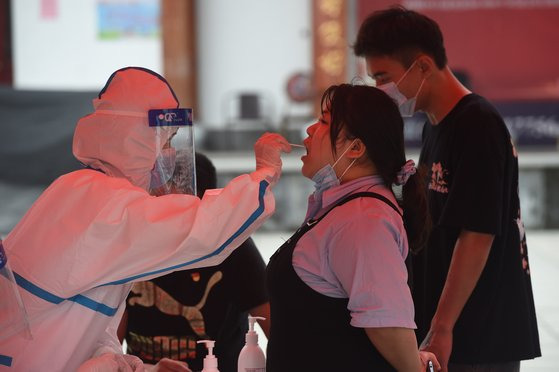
(405, 172)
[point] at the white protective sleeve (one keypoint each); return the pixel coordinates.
(88, 230)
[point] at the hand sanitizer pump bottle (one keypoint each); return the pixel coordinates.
(210, 361)
(251, 357)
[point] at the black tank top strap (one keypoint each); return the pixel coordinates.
(363, 194)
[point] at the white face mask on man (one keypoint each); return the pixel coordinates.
(405, 105)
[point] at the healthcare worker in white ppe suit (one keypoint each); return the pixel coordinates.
(93, 232)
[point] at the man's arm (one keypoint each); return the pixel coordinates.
(468, 261)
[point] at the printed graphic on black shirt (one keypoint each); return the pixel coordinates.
(151, 348)
(523, 245)
(438, 181)
(521, 230)
(167, 317)
(154, 348)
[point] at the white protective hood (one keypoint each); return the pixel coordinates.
(116, 137)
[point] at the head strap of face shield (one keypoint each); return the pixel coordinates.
(158, 117)
(135, 114)
(170, 117)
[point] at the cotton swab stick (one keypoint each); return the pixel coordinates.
(296, 145)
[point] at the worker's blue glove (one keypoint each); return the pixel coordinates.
(268, 149)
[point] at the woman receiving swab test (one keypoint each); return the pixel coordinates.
(338, 287)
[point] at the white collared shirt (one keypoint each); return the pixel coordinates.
(357, 251)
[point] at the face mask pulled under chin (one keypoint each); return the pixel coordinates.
(326, 177)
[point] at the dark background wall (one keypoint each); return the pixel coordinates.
(36, 130)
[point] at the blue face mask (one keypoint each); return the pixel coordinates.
(163, 168)
(326, 177)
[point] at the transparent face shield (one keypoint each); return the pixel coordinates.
(13, 316)
(174, 168)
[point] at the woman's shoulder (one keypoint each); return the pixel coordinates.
(367, 212)
(476, 114)
(373, 199)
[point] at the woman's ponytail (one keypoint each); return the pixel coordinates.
(417, 220)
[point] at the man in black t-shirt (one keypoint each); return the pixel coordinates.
(472, 288)
(166, 316)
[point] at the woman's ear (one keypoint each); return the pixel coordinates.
(357, 150)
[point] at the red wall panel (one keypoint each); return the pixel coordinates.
(509, 49)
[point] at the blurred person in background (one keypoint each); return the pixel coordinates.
(77, 251)
(166, 316)
(472, 288)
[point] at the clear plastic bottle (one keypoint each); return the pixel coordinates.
(210, 361)
(251, 357)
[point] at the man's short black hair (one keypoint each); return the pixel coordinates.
(402, 34)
